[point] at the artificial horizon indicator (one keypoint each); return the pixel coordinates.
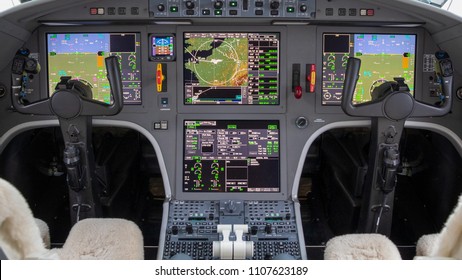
(81, 56)
(383, 58)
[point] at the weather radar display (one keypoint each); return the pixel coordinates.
(231, 68)
(383, 58)
(81, 56)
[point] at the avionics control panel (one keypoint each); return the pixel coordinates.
(198, 229)
(232, 8)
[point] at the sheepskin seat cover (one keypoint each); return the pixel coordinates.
(361, 247)
(20, 236)
(448, 243)
(425, 245)
(23, 237)
(103, 239)
(44, 232)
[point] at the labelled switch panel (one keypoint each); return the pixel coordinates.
(194, 226)
(233, 8)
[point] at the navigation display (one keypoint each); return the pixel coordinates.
(231, 68)
(383, 57)
(81, 56)
(231, 156)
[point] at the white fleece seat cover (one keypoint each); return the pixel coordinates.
(425, 245)
(103, 239)
(44, 232)
(448, 243)
(23, 237)
(20, 236)
(361, 247)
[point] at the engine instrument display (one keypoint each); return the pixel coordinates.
(231, 156)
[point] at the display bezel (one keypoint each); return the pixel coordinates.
(164, 58)
(138, 35)
(283, 190)
(419, 32)
(216, 103)
(228, 108)
(354, 34)
(242, 122)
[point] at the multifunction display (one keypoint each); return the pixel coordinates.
(383, 57)
(81, 56)
(231, 68)
(231, 156)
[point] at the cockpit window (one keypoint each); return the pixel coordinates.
(454, 6)
(437, 3)
(8, 4)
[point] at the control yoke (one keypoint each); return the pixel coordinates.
(68, 101)
(389, 111)
(399, 105)
(72, 103)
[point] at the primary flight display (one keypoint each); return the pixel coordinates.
(81, 56)
(383, 58)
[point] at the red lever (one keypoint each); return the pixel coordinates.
(298, 92)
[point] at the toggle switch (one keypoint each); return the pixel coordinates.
(161, 77)
(268, 229)
(189, 228)
(296, 88)
(254, 230)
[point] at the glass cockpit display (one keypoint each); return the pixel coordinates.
(231, 156)
(383, 57)
(231, 68)
(162, 47)
(81, 56)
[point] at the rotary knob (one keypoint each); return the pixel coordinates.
(274, 5)
(190, 5)
(218, 4)
(301, 122)
(175, 230)
(303, 8)
(161, 7)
